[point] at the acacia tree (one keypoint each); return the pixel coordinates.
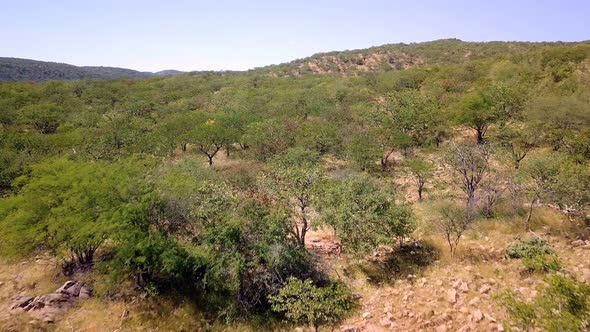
(421, 171)
(295, 178)
(520, 142)
(209, 138)
(495, 104)
(45, 118)
(267, 138)
(365, 216)
(70, 208)
(471, 163)
(453, 222)
(542, 172)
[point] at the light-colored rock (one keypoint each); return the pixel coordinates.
(441, 328)
(367, 315)
(452, 296)
(464, 287)
(484, 289)
(500, 327)
(385, 322)
(578, 243)
(21, 302)
(477, 315)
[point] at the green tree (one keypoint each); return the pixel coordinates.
(365, 216)
(542, 172)
(209, 137)
(44, 118)
(268, 138)
(69, 207)
(295, 177)
(494, 104)
(421, 171)
(304, 303)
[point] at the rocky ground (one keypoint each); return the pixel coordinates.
(419, 289)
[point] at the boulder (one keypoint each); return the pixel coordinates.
(21, 302)
(485, 289)
(452, 296)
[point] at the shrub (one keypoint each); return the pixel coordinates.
(304, 302)
(536, 255)
(564, 305)
(529, 248)
(541, 263)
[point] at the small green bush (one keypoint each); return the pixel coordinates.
(536, 256)
(564, 305)
(529, 248)
(541, 263)
(302, 302)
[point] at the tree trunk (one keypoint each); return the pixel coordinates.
(527, 223)
(479, 132)
(420, 189)
(183, 147)
(210, 160)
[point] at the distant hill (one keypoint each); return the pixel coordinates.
(403, 56)
(383, 58)
(15, 69)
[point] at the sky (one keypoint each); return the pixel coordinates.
(236, 35)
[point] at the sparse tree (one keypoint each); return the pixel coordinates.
(421, 171)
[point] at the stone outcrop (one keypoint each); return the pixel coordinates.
(47, 307)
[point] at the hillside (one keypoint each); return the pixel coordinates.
(404, 56)
(15, 69)
(391, 57)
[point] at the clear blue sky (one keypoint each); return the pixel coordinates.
(195, 35)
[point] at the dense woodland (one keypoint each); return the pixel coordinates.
(15, 69)
(205, 185)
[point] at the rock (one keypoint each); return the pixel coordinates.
(1, 283)
(586, 273)
(468, 268)
(477, 315)
(299, 329)
(452, 296)
(385, 322)
(85, 292)
(367, 315)
(21, 302)
(464, 287)
(441, 328)
(464, 328)
(350, 329)
(485, 289)
(490, 318)
(48, 320)
(578, 243)
(500, 327)
(439, 283)
(65, 286)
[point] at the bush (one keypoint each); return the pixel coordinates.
(529, 248)
(304, 302)
(541, 263)
(564, 305)
(536, 255)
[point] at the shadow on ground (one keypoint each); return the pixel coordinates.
(410, 259)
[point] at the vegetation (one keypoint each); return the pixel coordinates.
(218, 188)
(564, 305)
